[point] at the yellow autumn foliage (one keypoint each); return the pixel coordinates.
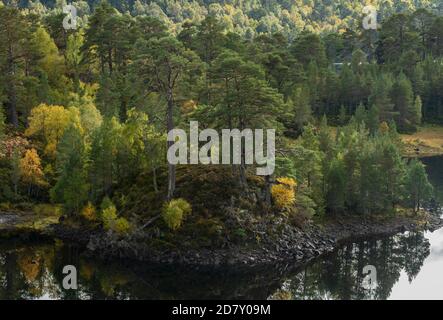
(49, 122)
(29, 265)
(31, 171)
(283, 193)
(188, 106)
(384, 127)
(174, 212)
(287, 182)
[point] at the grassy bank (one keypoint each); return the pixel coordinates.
(427, 141)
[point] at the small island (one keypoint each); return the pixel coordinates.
(86, 115)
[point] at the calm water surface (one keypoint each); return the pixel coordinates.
(409, 266)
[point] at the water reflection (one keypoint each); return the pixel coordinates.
(340, 275)
(35, 272)
(435, 173)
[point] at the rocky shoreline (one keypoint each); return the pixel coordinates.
(295, 246)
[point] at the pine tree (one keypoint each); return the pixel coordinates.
(14, 33)
(380, 96)
(164, 63)
(418, 187)
(99, 38)
(360, 115)
(208, 44)
(302, 108)
(309, 48)
(373, 120)
(246, 101)
(343, 116)
(403, 99)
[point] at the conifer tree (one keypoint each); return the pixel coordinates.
(71, 188)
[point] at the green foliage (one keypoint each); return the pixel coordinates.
(342, 118)
(103, 157)
(403, 99)
(98, 100)
(302, 108)
(106, 203)
(111, 220)
(71, 188)
(417, 185)
(109, 215)
(284, 167)
(360, 172)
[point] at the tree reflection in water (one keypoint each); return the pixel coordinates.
(34, 271)
(340, 274)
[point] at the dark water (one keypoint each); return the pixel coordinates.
(434, 167)
(408, 266)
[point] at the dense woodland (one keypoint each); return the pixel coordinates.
(86, 111)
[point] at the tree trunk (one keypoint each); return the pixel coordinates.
(269, 180)
(110, 61)
(154, 179)
(243, 179)
(170, 126)
(12, 94)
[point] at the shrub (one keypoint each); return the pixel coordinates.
(289, 182)
(284, 192)
(175, 212)
(183, 205)
(89, 212)
(105, 204)
(121, 226)
(108, 217)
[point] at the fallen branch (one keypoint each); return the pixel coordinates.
(150, 221)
